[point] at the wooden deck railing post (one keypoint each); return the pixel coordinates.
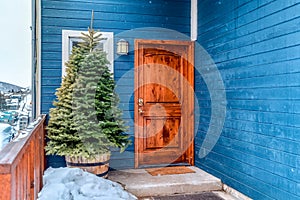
(22, 165)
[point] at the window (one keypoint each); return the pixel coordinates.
(71, 38)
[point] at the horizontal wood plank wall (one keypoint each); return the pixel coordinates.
(22, 165)
(112, 16)
(256, 47)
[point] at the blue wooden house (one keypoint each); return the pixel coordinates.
(224, 85)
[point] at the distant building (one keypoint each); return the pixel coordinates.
(12, 106)
(7, 118)
(16, 96)
(23, 122)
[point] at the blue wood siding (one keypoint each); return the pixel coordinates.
(255, 45)
(112, 16)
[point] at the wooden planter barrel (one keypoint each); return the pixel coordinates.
(98, 165)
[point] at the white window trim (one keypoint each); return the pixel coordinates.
(37, 95)
(67, 35)
(194, 19)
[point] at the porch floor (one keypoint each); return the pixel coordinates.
(140, 183)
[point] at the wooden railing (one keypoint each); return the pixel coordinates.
(22, 163)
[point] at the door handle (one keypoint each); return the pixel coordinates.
(140, 102)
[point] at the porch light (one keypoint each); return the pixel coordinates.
(122, 47)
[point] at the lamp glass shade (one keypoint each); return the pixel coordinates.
(122, 47)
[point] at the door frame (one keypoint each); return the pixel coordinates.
(190, 95)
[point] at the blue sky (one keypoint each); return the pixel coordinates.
(15, 41)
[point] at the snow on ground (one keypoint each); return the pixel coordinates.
(76, 184)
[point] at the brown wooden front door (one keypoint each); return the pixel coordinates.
(164, 102)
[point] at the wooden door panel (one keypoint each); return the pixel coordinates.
(164, 80)
(162, 133)
(163, 102)
(159, 93)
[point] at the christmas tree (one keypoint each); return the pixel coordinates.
(86, 120)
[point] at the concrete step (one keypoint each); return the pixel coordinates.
(140, 183)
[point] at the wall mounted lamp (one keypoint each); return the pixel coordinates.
(122, 47)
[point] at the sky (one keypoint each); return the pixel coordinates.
(15, 41)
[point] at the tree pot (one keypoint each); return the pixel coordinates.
(98, 165)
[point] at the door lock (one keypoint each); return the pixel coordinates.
(141, 111)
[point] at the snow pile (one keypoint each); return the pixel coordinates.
(76, 184)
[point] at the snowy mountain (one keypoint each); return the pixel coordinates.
(5, 87)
